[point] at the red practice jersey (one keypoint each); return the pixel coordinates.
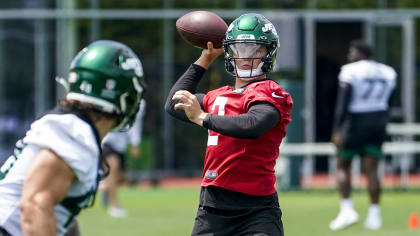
(245, 165)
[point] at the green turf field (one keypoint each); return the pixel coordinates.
(170, 212)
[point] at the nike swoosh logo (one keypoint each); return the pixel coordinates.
(275, 95)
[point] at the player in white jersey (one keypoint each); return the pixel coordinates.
(365, 87)
(114, 147)
(55, 168)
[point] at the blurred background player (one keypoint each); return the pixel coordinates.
(246, 124)
(114, 147)
(55, 169)
(361, 115)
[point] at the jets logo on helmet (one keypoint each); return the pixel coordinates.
(269, 27)
(133, 63)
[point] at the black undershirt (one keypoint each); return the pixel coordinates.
(260, 117)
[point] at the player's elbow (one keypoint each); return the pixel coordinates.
(32, 205)
(168, 107)
(27, 212)
(37, 213)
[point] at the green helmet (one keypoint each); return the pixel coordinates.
(108, 75)
(254, 31)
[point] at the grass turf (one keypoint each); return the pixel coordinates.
(171, 212)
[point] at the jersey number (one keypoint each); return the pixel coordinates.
(7, 166)
(377, 85)
(12, 159)
(221, 103)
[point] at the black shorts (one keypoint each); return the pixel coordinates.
(364, 129)
(246, 222)
(247, 215)
(108, 150)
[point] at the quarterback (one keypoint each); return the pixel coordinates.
(55, 169)
(246, 123)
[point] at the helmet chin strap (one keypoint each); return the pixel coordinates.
(247, 75)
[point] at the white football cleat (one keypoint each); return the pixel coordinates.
(373, 220)
(117, 212)
(345, 218)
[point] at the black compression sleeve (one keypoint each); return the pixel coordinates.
(341, 106)
(188, 81)
(260, 117)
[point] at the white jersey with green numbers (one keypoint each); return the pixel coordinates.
(372, 84)
(73, 140)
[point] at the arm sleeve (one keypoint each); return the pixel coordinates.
(261, 117)
(343, 100)
(188, 81)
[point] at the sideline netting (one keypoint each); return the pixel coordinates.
(402, 150)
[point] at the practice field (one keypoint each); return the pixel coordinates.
(170, 212)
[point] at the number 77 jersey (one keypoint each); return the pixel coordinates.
(372, 84)
(238, 164)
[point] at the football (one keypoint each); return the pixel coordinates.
(200, 27)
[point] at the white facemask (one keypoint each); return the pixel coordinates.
(242, 51)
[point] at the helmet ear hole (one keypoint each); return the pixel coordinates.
(229, 67)
(130, 101)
